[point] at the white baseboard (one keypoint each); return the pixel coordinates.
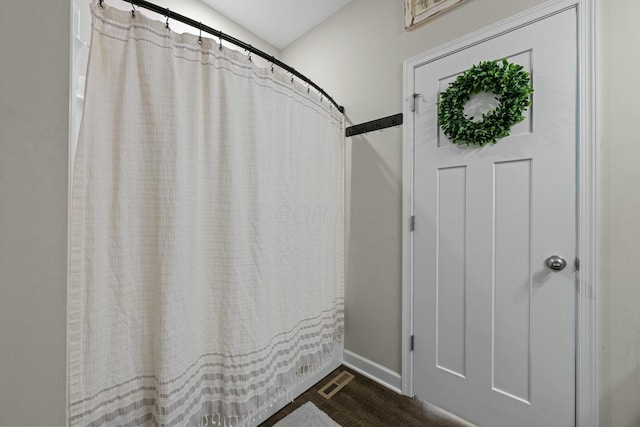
(374, 371)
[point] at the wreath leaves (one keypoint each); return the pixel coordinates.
(508, 82)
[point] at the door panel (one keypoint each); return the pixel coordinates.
(512, 279)
(450, 272)
(493, 326)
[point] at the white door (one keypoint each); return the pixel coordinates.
(493, 325)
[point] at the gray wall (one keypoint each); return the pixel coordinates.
(357, 57)
(34, 105)
(620, 101)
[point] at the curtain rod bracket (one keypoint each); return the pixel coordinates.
(379, 124)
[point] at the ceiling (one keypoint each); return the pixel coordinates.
(279, 22)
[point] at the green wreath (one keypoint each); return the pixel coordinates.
(508, 82)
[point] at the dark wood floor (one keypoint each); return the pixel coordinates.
(364, 403)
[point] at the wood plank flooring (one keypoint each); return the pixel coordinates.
(364, 403)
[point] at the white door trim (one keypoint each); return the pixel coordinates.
(588, 193)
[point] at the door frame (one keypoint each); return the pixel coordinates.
(588, 192)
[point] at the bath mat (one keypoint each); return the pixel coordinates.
(308, 415)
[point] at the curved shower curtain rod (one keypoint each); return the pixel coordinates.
(195, 24)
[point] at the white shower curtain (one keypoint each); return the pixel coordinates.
(206, 267)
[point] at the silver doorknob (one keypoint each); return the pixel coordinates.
(556, 262)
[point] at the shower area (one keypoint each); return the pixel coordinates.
(206, 235)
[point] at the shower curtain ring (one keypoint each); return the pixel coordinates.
(101, 4)
(200, 36)
(273, 60)
(220, 40)
(133, 10)
(250, 47)
(168, 15)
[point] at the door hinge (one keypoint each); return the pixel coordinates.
(413, 101)
(412, 223)
(412, 342)
(577, 264)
